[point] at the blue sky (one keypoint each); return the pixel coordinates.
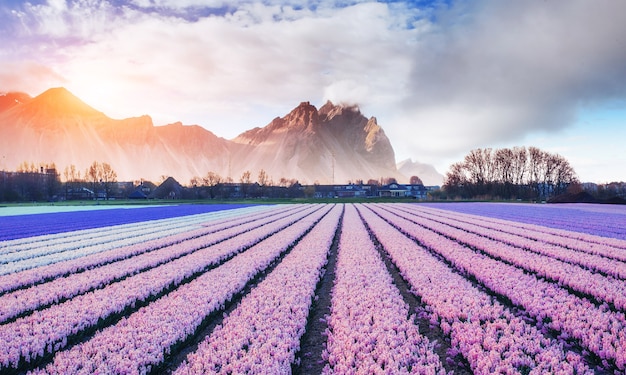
(442, 77)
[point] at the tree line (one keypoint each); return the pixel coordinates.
(509, 173)
(42, 182)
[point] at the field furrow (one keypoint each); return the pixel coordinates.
(596, 328)
(486, 333)
(50, 329)
(142, 340)
(375, 288)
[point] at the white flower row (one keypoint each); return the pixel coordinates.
(24, 300)
(487, 334)
(596, 328)
(105, 234)
(576, 241)
(113, 237)
(33, 276)
(46, 330)
(138, 343)
(70, 236)
(370, 329)
(602, 288)
(262, 335)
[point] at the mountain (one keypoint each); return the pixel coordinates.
(428, 173)
(333, 144)
(11, 99)
(58, 127)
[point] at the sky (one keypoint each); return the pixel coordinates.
(441, 77)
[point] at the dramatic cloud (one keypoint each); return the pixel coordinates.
(496, 71)
(441, 78)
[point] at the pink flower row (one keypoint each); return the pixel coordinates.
(37, 275)
(371, 330)
(596, 328)
(544, 232)
(602, 288)
(530, 238)
(263, 334)
(488, 335)
(46, 330)
(137, 344)
(24, 300)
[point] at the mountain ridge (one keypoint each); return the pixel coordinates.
(333, 144)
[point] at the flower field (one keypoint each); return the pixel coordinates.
(315, 288)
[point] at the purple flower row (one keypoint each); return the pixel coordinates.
(370, 330)
(599, 220)
(596, 328)
(488, 335)
(76, 238)
(262, 335)
(602, 288)
(499, 233)
(139, 342)
(606, 247)
(46, 330)
(37, 275)
(24, 300)
(13, 227)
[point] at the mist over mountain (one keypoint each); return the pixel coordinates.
(334, 144)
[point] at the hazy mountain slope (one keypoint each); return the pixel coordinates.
(333, 144)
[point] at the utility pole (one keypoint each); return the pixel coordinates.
(332, 153)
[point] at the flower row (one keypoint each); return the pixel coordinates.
(141, 341)
(370, 329)
(73, 239)
(596, 328)
(599, 287)
(607, 247)
(24, 300)
(49, 254)
(46, 330)
(262, 335)
(63, 221)
(489, 336)
(594, 219)
(38, 275)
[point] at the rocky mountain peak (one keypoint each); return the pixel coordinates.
(329, 110)
(304, 116)
(59, 102)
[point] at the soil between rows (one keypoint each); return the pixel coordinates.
(313, 342)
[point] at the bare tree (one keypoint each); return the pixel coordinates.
(506, 172)
(211, 180)
(245, 182)
(263, 178)
(414, 180)
(101, 175)
(108, 178)
(92, 176)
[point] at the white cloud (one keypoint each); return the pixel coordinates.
(440, 81)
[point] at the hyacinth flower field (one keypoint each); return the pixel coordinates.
(377, 288)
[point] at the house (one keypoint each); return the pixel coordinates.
(341, 191)
(138, 194)
(169, 189)
(395, 190)
(417, 191)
